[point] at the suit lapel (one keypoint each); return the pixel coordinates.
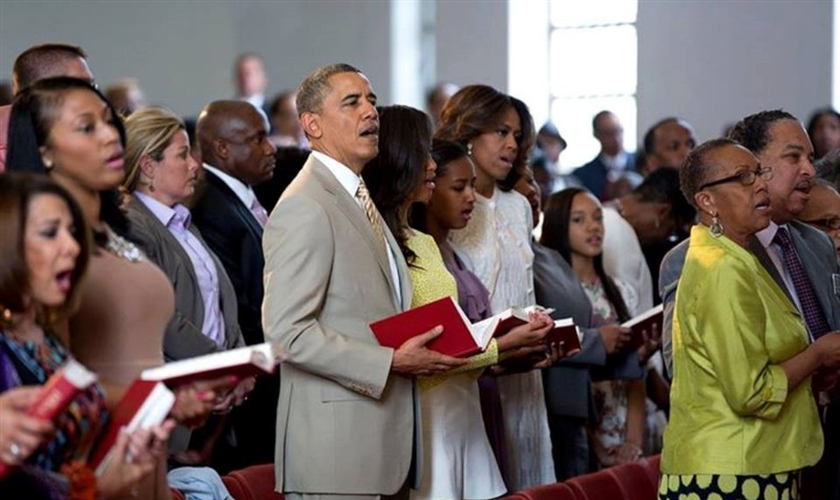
(172, 245)
(354, 213)
(760, 253)
(818, 274)
(235, 204)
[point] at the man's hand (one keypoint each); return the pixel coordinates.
(413, 358)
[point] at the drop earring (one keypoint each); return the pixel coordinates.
(469, 149)
(716, 228)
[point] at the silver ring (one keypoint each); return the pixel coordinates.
(15, 450)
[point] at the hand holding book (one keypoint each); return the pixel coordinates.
(414, 358)
(20, 433)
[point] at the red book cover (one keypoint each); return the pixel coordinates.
(566, 332)
(260, 359)
(145, 404)
(647, 321)
(456, 340)
(57, 393)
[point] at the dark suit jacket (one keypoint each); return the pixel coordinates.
(593, 175)
(235, 236)
(567, 384)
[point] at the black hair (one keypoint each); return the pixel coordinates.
(663, 186)
(753, 132)
(405, 134)
(32, 116)
(555, 235)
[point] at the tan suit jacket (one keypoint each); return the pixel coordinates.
(345, 424)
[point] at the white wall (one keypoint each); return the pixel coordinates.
(713, 62)
(472, 42)
(182, 51)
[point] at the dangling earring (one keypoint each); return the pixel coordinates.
(716, 228)
(469, 149)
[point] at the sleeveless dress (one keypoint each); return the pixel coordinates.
(497, 247)
(458, 462)
(125, 305)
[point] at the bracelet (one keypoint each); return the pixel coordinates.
(82, 481)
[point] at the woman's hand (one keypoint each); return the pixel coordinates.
(626, 452)
(20, 434)
(194, 402)
(614, 337)
(528, 335)
(134, 457)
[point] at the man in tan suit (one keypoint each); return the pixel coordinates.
(346, 418)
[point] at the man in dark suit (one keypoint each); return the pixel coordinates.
(233, 141)
(612, 162)
(779, 141)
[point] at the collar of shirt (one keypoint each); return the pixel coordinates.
(163, 213)
(243, 191)
(766, 235)
(346, 177)
(256, 100)
(617, 162)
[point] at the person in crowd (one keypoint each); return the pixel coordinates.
(824, 131)
(65, 128)
(667, 143)
(574, 228)
(236, 155)
(332, 268)
(568, 389)
(496, 244)
(822, 210)
(402, 174)
(285, 126)
(36, 63)
(828, 167)
(126, 96)
(44, 249)
(161, 176)
(612, 162)
(545, 162)
(658, 215)
(250, 81)
(436, 99)
(742, 356)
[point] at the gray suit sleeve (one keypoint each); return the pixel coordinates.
(299, 249)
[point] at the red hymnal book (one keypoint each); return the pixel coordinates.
(460, 338)
(567, 332)
(144, 405)
(57, 393)
(242, 362)
(645, 322)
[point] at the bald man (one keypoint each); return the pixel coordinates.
(233, 142)
(37, 63)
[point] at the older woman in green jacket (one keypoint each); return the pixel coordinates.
(743, 417)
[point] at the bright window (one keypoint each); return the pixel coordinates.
(593, 54)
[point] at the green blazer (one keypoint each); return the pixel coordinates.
(731, 411)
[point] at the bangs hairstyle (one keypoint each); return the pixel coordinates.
(34, 111)
(555, 235)
(17, 190)
(473, 110)
(405, 136)
(150, 132)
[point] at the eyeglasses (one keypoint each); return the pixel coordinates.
(827, 224)
(745, 177)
